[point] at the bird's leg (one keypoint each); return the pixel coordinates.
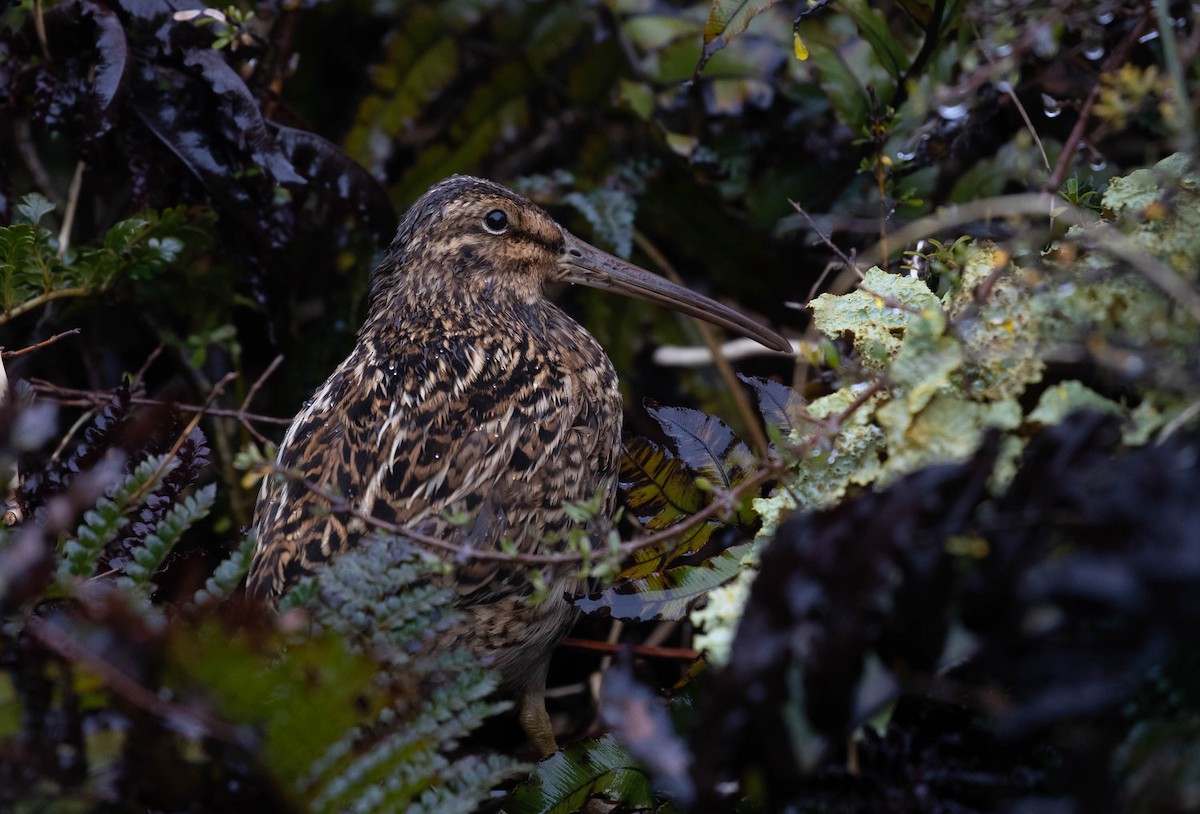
(535, 720)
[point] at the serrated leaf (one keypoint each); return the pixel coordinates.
(562, 783)
(666, 595)
(33, 207)
(660, 492)
(706, 444)
(779, 404)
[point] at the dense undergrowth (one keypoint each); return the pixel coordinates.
(943, 560)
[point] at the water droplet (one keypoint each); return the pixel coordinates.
(953, 112)
(1004, 50)
(1105, 17)
(903, 156)
(1149, 36)
(1098, 164)
(1051, 107)
(1094, 52)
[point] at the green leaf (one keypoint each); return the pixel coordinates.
(726, 20)
(228, 574)
(149, 556)
(873, 28)
(32, 208)
(100, 525)
(562, 783)
(668, 594)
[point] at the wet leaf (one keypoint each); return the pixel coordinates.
(873, 27)
(244, 124)
(661, 492)
(705, 444)
(780, 405)
(327, 167)
(602, 768)
(110, 76)
(667, 594)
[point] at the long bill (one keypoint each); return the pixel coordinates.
(583, 264)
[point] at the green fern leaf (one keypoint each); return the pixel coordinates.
(148, 557)
(100, 525)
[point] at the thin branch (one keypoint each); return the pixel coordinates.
(39, 27)
(1176, 70)
(12, 354)
(721, 503)
(1114, 61)
(707, 333)
(70, 397)
(217, 389)
(847, 261)
(42, 299)
(27, 149)
(644, 650)
(1025, 204)
(252, 392)
(68, 222)
(59, 642)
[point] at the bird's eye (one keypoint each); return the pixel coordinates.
(495, 221)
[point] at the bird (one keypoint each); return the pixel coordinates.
(471, 409)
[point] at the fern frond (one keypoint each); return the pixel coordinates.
(149, 556)
(228, 575)
(101, 524)
(381, 599)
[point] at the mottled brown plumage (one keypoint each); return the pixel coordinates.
(469, 395)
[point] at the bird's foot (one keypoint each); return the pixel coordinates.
(536, 721)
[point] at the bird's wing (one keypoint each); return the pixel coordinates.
(479, 443)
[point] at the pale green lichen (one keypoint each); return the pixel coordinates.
(1064, 398)
(876, 314)
(956, 367)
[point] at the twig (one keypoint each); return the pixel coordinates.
(33, 162)
(217, 389)
(339, 504)
(847, 261)
(64, 234)
(70, 397)
(889, 301)
(1071, 145)
(722, 502)
(732, 386)
(1175, 69)
(253, 391)
(42, 299)
(1016, 100)
(258, 383)
(59, 642)
(39, 27)
(644, 650)
(12, 354)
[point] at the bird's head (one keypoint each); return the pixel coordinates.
(469, 243)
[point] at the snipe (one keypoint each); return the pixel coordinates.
(468, 394)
